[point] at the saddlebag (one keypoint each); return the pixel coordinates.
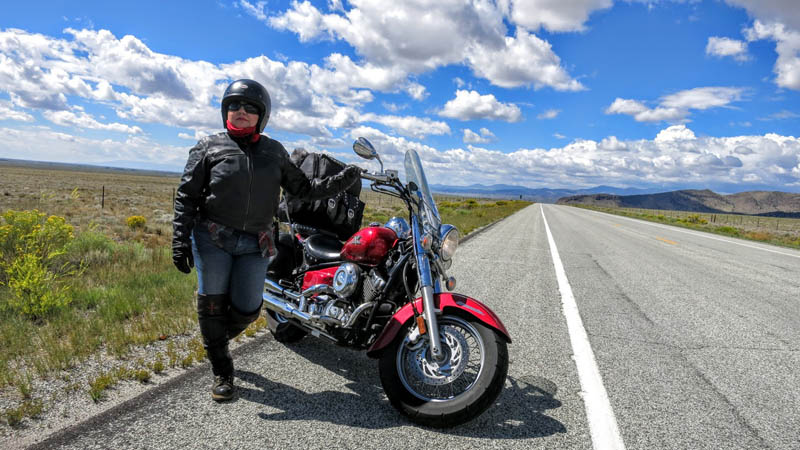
(340, 214)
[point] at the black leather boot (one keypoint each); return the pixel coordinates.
(212, 314)
(238, 322)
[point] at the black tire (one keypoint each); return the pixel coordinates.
(282, 330)
(446, 401)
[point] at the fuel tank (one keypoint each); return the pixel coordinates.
(369, 246)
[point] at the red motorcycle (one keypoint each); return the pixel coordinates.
(443, 357)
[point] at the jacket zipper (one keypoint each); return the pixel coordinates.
(250, 186)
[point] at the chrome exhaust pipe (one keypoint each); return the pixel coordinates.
(274, 295)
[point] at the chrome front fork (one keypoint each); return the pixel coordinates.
(427, 284)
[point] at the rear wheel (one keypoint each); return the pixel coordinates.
(452, 391)
(283, 330)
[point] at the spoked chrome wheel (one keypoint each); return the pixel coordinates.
(432, 380)
(451, 391)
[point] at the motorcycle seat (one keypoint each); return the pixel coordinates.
(323, 248)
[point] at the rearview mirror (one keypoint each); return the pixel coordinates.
(364, 149)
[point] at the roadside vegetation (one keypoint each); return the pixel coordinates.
(86, 275)
(773, 230)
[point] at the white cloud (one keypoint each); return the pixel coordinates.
(410, 126)
(787, 66)
(470, 105)
(777, 20)
(50, 145)
(485, 136)
(702, 98)
(783, 11)
(783, 115)
(83, 120)
(549, 114)
(8, 112)
(722, 46)
(256, 10)
(555, 15)
(676, 107)
(524, 60)
(41, 72)
(674, 158)
(675, 133)
(416, 37)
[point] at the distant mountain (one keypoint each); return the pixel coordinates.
(542, 195)
(113, 166)
(764, 203)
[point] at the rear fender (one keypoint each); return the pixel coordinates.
(444, 302)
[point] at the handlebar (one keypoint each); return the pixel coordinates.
(386, 178)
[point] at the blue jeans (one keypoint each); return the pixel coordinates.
(230, 263)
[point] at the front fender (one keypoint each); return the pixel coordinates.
(444, 302)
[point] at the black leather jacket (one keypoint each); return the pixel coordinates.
(238, 185)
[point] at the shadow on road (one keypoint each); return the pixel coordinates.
(519, 412)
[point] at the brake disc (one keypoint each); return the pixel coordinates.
(432, 372)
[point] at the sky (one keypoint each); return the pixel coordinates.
(537, 93)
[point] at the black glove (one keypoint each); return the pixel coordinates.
(351, 174)
(182, 257)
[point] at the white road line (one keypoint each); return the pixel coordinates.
(602, 422)
(696, 233)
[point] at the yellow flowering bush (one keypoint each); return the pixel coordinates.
(30, 247)
(135, 222)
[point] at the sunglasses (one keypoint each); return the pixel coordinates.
(248, 107)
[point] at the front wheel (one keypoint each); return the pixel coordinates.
(282, 330)
(452, 391)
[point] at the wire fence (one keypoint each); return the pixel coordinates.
(747, 222)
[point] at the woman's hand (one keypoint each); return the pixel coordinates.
(182, 257)
(351, 174)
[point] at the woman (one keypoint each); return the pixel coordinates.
(224, 210)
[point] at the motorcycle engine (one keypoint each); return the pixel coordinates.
(345, 280)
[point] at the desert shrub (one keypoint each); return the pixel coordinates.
(695, 219)
(91, 248)
(500, 203)
(136, 222)
(471, 203)
(36, 291)
(25, 232)
(31, 266)
(728, 230)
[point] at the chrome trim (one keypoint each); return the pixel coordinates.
(429, 313)
(318, 289)
(444, 230)
(345, 280)
(273, 301)
(423, 262)
(426, 283)
(361, 308)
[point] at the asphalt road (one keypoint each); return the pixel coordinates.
(695, 336)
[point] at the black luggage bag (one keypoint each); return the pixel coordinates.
(340, 214)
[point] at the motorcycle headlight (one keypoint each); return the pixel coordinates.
(449, 239)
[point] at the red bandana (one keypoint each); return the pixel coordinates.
(242, 132)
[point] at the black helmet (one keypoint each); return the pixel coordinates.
(252, 92)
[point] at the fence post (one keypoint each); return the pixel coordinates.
(103, 198)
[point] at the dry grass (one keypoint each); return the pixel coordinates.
(78, 196)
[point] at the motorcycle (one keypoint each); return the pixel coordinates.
(442, 357)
